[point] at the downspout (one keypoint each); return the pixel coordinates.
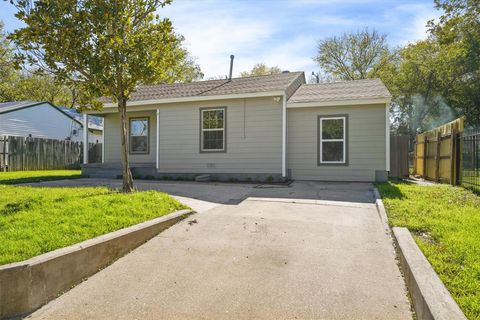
(387, 135)
(157, 138)
(284, 136)
(85, 138)
(103, 140)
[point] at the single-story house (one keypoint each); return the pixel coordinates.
(45, 120)
(253, 128)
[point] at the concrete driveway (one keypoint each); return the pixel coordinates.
(204, 196)
(306, 251)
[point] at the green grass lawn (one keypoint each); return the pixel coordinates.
(15, 177)
(445, 222)
(38, 220)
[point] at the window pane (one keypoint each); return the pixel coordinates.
(332, 128)
(206, 120)
(139, 144)
(139, 127)
(213, 140)
(220, 120)
(212, 119)
(332, 151)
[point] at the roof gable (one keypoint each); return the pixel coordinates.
(12, 106)
(16, 105)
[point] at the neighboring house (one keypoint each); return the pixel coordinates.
(254, 128)
(45, 120)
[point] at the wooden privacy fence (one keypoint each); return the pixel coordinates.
(398, 157)
(26, 153)
(437, 153)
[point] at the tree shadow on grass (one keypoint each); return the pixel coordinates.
(16, 207)
(39, 179)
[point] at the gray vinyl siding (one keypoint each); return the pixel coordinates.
(253, 138)
(40, 121)
(366, 143)
(113, 143)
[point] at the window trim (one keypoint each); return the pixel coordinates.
(130, 135)
(320, 162)
(224, 150)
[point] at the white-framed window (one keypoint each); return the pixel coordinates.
(212, 130)
(332, 143)
(139, 135)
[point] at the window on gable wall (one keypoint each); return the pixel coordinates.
(332, 140)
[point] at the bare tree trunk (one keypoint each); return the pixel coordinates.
(126, 173)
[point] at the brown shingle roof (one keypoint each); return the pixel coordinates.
(276, 82)
(342, 90)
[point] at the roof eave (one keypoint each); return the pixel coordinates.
(20, 107)
(199, 98)
(343, 102)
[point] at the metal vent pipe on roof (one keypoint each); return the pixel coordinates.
(231, 67)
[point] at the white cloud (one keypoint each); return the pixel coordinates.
(280, 32)
(285, 33)
(411, 20)
(293, 55)
(329, 3)
(213, 34)
(335, 20)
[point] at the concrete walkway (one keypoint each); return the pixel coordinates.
(268, 256)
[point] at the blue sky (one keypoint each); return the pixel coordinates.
(278, 32)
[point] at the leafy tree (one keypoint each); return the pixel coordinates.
(186, 68)
(24, 85)
(8, 72)
(16, 85)
(261, 69)
(104, 47)
(458, 29)
(419, 80)
(353, 56)
(438, 79)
